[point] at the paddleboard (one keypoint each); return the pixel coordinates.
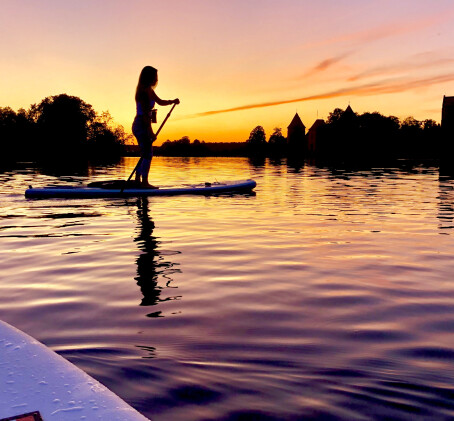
(96, 191)
(38, 384)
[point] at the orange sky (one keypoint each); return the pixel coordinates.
(234, 65)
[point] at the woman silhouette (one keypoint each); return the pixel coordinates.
(146, 99)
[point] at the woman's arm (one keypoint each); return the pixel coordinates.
(160, 101)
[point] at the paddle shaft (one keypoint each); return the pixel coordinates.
(140, 159)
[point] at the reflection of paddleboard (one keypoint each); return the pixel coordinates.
(36, 383)
(110, 190)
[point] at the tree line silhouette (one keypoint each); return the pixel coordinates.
(351, 136)
(64, 126)
(345, 135)
(373, 135)
(60, 126)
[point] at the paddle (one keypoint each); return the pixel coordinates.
(140, 159)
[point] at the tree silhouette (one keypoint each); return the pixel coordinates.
(353, 137)
(257, 141)
(16, 133)
(59, 125)
(430, 124)
(62, 124)
(335, 115)
(277, 137)
(104, 137)
(277, 142)
(257, 136)
(377, 135)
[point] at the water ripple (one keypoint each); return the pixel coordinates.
(326, 295)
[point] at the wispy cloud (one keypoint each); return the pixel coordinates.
(369, 89)
(369, 35)
(325, 64)
(360, 39)
(415, 63)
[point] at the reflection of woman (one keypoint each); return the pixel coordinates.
(146, 264)
(150, 264)
(145, 102)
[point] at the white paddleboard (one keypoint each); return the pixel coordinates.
(36, 383)
(88, 191)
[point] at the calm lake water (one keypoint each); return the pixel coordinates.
(326, 295)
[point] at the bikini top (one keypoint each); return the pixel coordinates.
(141, 111)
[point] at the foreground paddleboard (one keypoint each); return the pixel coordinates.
(88, 191)
(38, 384)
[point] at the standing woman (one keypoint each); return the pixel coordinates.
(146, 99)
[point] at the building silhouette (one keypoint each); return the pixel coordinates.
(348, 114)
(447, 115)
(447, 142)
(296, 134)
(312, 135)
(308, 144)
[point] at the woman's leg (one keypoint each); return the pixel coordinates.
(138, 172)
(140, 133)
(145, 166)
(137, 134)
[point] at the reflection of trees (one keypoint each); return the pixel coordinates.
(257, 162)
(295, 164)
(151, 263)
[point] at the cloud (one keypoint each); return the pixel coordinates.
(369, 89)
(387, 31)
(410, 65)
(325, 64)
(361, 38)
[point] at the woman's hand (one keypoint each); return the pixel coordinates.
(176, 101)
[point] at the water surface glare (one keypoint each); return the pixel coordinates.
(326, 295)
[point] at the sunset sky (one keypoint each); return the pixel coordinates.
(234, 64)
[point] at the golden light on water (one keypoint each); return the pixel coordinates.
(324, 277)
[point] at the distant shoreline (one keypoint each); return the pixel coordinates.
(209, 149)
